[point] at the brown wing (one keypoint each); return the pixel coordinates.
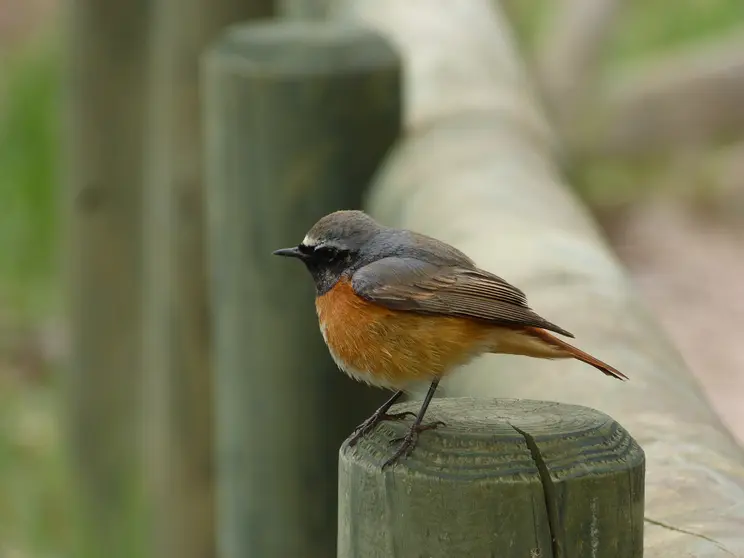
(417, 286)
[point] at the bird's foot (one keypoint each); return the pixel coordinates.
(369, 425)
(408, 442)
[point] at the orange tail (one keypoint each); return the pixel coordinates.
(578, 354)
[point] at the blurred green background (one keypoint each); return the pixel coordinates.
(35, 519)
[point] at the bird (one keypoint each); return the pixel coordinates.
(397, 308)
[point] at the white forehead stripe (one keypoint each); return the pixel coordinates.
(309, 240)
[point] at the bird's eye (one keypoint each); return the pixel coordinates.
(328, 253)
(325, 251)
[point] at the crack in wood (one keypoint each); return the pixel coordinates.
(551, 501)
(686, 532)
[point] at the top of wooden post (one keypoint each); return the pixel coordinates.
(504, 478)
(304, 47)
(570, 435)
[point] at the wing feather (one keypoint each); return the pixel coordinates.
(414, 285)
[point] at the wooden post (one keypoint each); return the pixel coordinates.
(107, 87)
(298, 117)
(178, 379)
(505, 478)
(303, 9)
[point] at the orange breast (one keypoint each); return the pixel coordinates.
(388, 348)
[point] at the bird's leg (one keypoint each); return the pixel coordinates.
(377, 417)
(408, 442)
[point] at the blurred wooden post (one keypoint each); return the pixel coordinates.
(506, 478)
(298, 117)
(106, 116)
(178, 381)
(478, 169)
(302, 9)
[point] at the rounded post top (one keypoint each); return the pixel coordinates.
(504, 477)
(489, 438)
(303, 47)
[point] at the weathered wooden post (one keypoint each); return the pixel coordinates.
(298, 117)
(107, 87)
(302, 9)
(177, 349)
(506, 478)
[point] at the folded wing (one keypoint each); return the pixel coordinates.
(414, 285)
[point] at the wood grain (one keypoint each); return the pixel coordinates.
(507, 478)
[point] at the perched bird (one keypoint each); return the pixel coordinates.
(397, 307)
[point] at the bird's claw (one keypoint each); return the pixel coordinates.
(421, 428)
(408, 442)
(398, 416)
(368, 425)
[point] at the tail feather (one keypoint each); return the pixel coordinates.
(578, 353)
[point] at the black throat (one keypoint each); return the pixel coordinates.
(328, 265)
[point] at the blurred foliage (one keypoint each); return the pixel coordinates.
(34, 514)
(656, 25)
(29, 146)
(642, 27)
(651, 27)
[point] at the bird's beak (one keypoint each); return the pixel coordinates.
(288, 252)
